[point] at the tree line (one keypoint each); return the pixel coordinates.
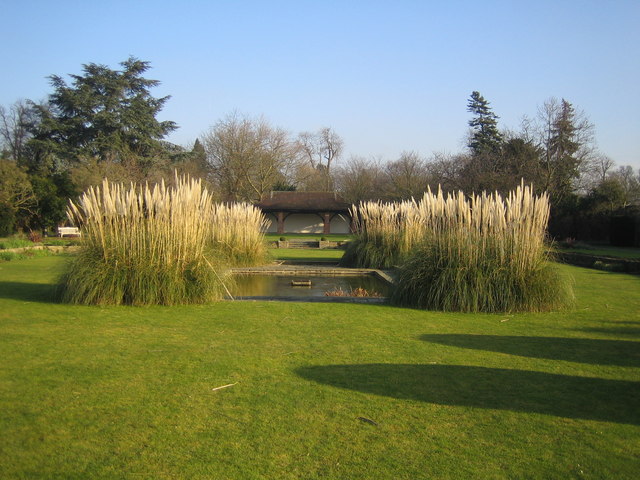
(103, 122)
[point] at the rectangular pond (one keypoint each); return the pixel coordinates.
(278, 286)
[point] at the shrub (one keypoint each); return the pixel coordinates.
(142, 246)
(14, 242)
(7, 219)
(283, 239)
(35, 237)
(483, 255)
(608, 267)
(9, 256)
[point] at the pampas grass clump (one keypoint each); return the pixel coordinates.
(483, 254)
(386, 233)
(237, 233)
(143, 246)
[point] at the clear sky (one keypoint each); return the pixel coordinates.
(388, 76)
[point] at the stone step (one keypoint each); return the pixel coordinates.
(303, 244)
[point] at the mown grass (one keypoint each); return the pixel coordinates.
(320, 390)
(331, 255)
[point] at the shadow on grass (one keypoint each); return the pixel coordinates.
(622, 353)
(494, 388)
(28, 292)
(631, 331)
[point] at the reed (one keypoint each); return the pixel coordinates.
(238, 233)
(485, 253)
(143, 245)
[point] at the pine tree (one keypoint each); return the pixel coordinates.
(563, 147)
(485, 138)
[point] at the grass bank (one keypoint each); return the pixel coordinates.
(318, 390)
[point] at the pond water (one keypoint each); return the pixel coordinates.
(280, 285)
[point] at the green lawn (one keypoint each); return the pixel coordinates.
(309, 255)
(333, 391)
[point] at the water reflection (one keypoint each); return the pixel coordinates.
(280, 285)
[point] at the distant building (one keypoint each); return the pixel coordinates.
(306, 212)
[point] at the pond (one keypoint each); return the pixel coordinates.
(256, 285)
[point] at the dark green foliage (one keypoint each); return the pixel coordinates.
(485, 136)
(567, 137)
(52, 197)
(625, 228)
(607, 196)
(7, 220)
(103, 113)
(16, 197)
(283, 186)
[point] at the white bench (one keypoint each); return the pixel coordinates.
(70, 231)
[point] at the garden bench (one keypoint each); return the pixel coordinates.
(69, 231)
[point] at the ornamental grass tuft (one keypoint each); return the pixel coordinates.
(143, 245)
(386, 234)
(482, 254)
(238, 234)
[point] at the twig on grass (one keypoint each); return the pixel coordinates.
(368, 420)
(224, 386)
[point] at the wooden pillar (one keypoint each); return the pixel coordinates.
(327, 223)
(280, 216)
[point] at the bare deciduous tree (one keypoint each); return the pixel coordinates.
(14, 123)
(361, 179)
(319, 150)
(248, 156)
(407, 177)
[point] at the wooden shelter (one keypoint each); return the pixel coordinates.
(306, 212)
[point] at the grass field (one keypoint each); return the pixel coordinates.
(318, 390)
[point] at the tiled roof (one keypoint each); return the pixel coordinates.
(303, 202)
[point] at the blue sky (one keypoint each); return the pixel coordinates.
(387, 76)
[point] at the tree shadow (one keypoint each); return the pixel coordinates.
(623, 353)
(28, 292)
(631, 331)
(493, 388)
